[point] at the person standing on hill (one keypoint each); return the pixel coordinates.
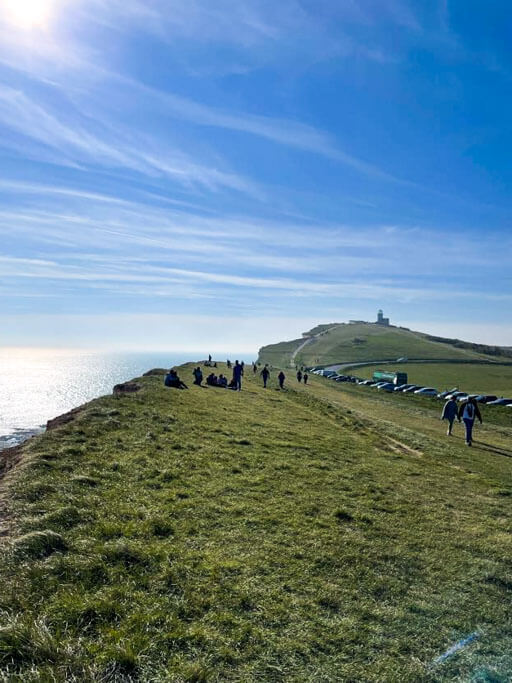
(281, 377)
(265, 374)
(299, 376)
(305, 377)
(468, 411)
(450, 413)
(238, 371)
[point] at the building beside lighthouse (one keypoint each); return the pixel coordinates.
(381, 320)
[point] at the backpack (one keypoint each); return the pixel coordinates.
(470, 411)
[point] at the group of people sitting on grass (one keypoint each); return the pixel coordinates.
(173, 380)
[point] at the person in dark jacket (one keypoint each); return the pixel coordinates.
(281, 377)
(172, 380)
(468, 411)
(450, 413)
(238, 371)
(198, 376)
(265, 374)
(299, 376)
(305, 377)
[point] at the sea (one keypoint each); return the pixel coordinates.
(39, 384)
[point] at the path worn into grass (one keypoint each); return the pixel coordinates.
(416, 423)
(209, 535)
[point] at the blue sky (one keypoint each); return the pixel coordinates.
(176, 174)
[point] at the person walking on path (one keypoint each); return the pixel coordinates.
(265, 374)
(449, 413)
(468, 411)
(299, 376)
(238, 371)
(281, 377)
(305, 377)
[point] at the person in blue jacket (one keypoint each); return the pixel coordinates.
(468, 411)
(172, 380)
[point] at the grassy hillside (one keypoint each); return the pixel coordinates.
(360, 342)
(314, 534)
(472, 378)
(279, 354)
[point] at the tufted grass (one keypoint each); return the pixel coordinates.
(207, 535)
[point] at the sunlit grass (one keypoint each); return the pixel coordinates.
(266, 535)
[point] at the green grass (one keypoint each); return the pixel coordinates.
(361, 342)
(484, 379)
(314, 534)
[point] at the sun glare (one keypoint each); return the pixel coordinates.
(27, 14)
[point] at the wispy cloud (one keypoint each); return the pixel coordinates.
(78, 144)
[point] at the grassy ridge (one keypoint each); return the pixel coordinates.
(210, 535)
(361, 342)
(472, 378)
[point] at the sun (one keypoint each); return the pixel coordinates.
(27, 14)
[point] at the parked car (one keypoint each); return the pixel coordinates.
(447, 393)
(426, 391)
(387, 386)
(500, 402)
(456, 394)
(402, 387)
(412, 388)
(485, 398)
(462, 397)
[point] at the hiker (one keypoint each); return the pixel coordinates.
(265, 374)
(172, 380)
(305, 377)
(222, 382)
(281, 377)
(198, 376)
(228, 363)
(238, 371)
(468, 410)
(209, 358)
(299, 376)
(232, 384)
(449, 413)
(254, 368)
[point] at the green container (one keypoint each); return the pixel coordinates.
(386, 376)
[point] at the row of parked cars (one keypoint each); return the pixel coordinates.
(417, 389)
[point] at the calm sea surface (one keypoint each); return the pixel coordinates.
(36, 385)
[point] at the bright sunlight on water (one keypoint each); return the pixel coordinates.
(36, 385)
